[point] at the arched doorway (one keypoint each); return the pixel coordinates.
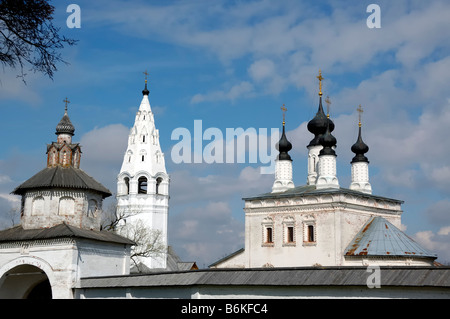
(23, 282)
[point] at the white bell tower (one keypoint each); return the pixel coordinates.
(143, 183)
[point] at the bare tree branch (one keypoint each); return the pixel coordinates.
(27, 36)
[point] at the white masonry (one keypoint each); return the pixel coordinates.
(143, 183)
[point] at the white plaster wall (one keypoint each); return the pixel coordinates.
(262, 292)
(51, 216)
(64, 261)
(336, 218)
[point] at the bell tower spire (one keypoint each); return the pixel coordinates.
(143, 183)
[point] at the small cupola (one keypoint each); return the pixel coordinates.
(284, 146)
(360, 148)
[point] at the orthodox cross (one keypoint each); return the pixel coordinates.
(327, 100)
(66, 101)
(284, 109)
(360, 111)
(320, 77)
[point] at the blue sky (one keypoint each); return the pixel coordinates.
(233, 64)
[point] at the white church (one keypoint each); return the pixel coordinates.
(317, 240)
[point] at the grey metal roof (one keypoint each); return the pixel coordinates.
(62, 177)
(311, 190)
(174, 263)
(237, 252)
(304, 276)
(63, 230)
(378, 237)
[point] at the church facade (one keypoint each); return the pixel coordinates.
(322, 223)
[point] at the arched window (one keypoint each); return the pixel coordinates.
(92, 208)
(158, 182)
(127, 185)
(142, 185)
(66, 206)
(38, 206)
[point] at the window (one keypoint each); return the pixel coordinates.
(267, 232)
(66, 206)
(92, 208)
(143, 157)
(158, 182)
(269, 235)
(38, 206)
(288, 231)
(143, 139)
(142, 185)
(290, 234)
(127, 185)
(311, 233)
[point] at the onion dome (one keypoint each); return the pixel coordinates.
(284, 146)
(318, 125)
(65, 126)
(145, 91)
(328, 141)
(360, 148)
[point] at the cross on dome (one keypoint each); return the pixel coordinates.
(284, 109)
(360, 111)
(66, 101)
(145, 91)
(320, 77)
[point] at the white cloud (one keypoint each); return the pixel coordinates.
(103, 150)
(243, 89)
(438, 243)
(206, 233)
(188, 188)
(261, 69)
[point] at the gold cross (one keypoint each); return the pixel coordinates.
(320, 77)
(327, 100)
(146, 74)
(284, 109)
(360, 111)
(66, 101)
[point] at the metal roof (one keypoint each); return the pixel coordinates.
(378, 237)
(304, 276)
(63, 230)
(306, 190)
(62, 177)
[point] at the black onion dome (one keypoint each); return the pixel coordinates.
(318, 125)
(65, 126)
(284, 146)
(360, 148)
(145, 91)
(327, 140)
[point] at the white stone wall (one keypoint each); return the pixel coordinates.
(313, 164)
(360, 177)
(327, 172)
(50, 207)
(283, 176)
(144, 159)
(64, 261)
(335, 220)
